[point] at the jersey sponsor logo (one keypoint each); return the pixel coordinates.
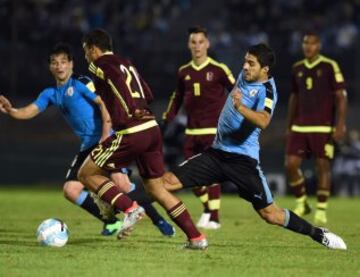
(187, 77)
(253, 92)
(300, 74)
(70, 91)
(209, 76)
(319, 72)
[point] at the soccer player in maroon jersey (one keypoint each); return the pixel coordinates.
(137, 138)
(316, 119)
(201, 86)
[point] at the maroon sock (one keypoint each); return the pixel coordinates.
(214, 192)
(111, 194)
(202, 194)
(180, 215)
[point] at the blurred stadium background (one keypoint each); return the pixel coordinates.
(153, 35)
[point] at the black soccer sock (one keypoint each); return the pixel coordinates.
(89, 205)
(301, 226)
(151, 212)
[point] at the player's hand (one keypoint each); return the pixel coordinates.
(236, 95)
(143, 114)
(339, 133)
(5, 105)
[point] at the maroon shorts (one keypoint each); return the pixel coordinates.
(306, 145)
(197, 144)
(144, 147)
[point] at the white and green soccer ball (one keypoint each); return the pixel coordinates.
(52, 232)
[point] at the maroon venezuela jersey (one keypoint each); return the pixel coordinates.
(315, 85)
(202, 91)
(122, 89)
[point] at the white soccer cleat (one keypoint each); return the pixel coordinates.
(332, 241)
(203, 221)
(212, 225)
(130, 219)
(199, 243)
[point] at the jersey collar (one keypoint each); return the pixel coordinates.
(201, 66)
(314, 63)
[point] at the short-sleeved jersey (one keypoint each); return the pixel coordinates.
(237, 135)
(315, 85)
(121, 88)
(202, 91)
(75, 99)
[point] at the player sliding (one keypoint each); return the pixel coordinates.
(234, 155)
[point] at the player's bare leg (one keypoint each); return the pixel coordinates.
(323, 190)
(289, 220)
(297, 184)
(97, 180)
(175, 208)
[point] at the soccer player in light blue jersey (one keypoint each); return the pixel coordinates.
(234, 155)
(87, 116)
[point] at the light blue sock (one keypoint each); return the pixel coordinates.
(81, 198)
(132, 187)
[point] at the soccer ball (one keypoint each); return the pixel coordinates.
(52, 232)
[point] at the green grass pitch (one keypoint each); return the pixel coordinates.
(244, 246)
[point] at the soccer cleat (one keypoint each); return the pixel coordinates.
(320, 218)
(204, 220)
(132, 216)
(332, 241)
(212, 225)
(165, 228)
(302, 208)
(111, 228)
(199, 243)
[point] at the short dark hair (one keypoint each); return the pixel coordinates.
(263, 53)
(61, 48)
(197, 29)
(99, 38)
(312, 33)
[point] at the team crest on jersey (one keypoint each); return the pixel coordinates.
(319, 72)
(209, 76)
(253, 92)
(70, 91)
(187, 78)
(300, 74)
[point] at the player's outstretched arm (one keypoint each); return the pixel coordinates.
(26, 112)
(261, 119)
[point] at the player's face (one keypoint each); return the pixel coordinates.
(60, 67)
(198, 45)
(90, 54)
(311, 46)
(252, 70)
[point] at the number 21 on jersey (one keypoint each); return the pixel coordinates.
(131, 74)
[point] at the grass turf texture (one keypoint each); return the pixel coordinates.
(244, 246)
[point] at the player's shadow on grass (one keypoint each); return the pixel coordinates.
(20, 243)
(83, 241)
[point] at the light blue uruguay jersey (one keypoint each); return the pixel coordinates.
(75, 99)
(234, 133)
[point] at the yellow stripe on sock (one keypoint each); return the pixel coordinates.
(214, 204)
(204, 198)
(105, 188)
(322, 205)
(115, 198)
(297, 182)
(323, 192)
(178, 211)
(301, 199)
